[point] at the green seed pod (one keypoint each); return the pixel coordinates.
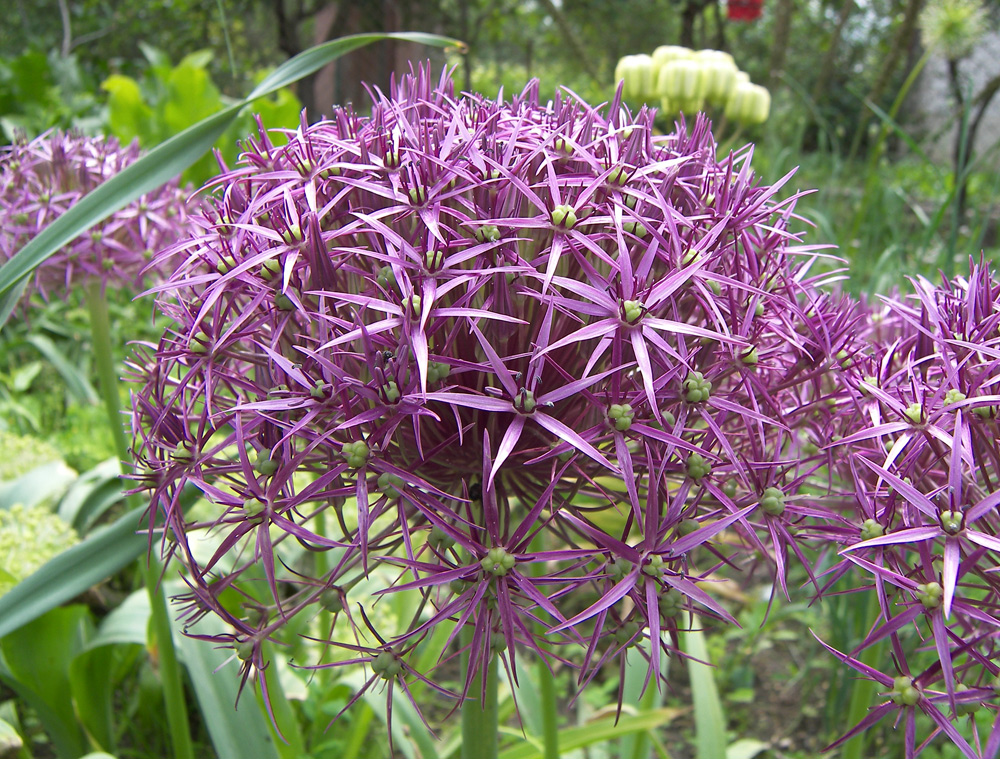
(914, 412)
(411, 306)
(697, 467)
(618, 570)
(636, 228)
(563, 216)
(270, 269)
(773, 502)
(929, 594)
(487, 233)
(293, 234)
(671, 602)
(951, 522)
(253, 507)
(245, 649)
(696, 388)
(749, 356)
(871, 529)
(439, 539)
(498, 562)
(331, 600)
(266, 464)
(687, 526)
(437, 371)
(387, 664)
(632, 311)
(283, 302)
(620, 416)
(953, 396)
(391, 485)
(390, 391)
(356, 453)
(654, 566)
(418, 195)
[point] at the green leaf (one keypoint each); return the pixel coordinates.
(36, 664)
(46, 482)
(572, 738)
(76, 381)
(710, 723)
(24, 376)
(73, 571)
(128, 116)
(92, 494)
(10, 299)
(237, 732)
(317, 57)
(746, 748)
(91, 688)
(173, 156)
(10, 741)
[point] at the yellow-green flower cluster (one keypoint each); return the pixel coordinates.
(953, 27)
(685, 81)
(20, 454)
(28, 539)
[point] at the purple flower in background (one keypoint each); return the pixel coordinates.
(41, 179)
(525, 360)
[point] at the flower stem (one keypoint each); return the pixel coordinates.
(170, 675)
(480, 721)
(550, 711)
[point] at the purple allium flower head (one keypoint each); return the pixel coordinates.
(41, 179)
(920, 452)
(527, 361)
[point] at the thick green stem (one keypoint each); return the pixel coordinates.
(863, 691)
(550, 711)
(480, 721)
(170, 674)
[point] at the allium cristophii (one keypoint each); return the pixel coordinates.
(42, 178)
(921, 453)
(528, 360)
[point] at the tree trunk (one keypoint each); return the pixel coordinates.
(830, 58)
(899, 45)
(780, 37)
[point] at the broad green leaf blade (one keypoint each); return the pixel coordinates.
(126, 624)
(91, 687)
(572, 738)
(76, 381)
(161, 164)
(10, 299)
(47, 482)
(710, 723)
(746, 748)
(241, 732)
(10, 741)
(73, 571)
(91, 495)
(37, 658)
(317, 57)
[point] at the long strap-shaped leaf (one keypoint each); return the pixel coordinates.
(173, 156)
(69, 574)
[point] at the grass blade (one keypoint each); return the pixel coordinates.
(710, 723)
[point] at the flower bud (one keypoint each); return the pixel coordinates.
(681, 80)
(748, 104)
(636, 71)
(697, 467)
(620, 416)
(773, 502)
(696, 388)
(356, 453)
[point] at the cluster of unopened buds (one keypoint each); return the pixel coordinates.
(550, 372)
(681, 80)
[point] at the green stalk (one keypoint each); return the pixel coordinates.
(170, 674)
(546, 683)
(480, 722)
(863, 691)
(550, 711)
